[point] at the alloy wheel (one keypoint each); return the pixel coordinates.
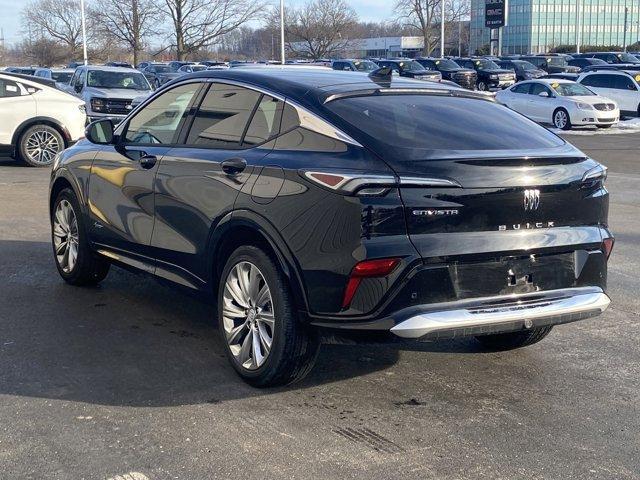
(42, 146)
(560, 119)
(65, 236)
(248, 315)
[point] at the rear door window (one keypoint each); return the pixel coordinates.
(538, 88)
(223, 115)
(623, 82)
(597, 81)
(521, 88)
(265, 122)
(9, 88)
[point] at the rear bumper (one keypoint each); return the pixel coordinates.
(500, 314)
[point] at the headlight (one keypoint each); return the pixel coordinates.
(584, 106)
(98, 105)
(493, 77)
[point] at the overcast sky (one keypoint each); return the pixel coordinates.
(366, 9)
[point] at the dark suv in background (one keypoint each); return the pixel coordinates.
(313, 204)
(450, 70)
(524, 70)
(490, 75)
(354, 65)
(406, 67)
(551, 63)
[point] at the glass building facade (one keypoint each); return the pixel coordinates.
(537, 26)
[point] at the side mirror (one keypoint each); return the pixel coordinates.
(543, 94)
(100, 132)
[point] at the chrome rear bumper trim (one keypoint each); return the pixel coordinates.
(550, 308)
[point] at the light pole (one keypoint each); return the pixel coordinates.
(282, 32)
(442, 29)
(84, 33)
(578, 27)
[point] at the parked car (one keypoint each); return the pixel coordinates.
(490, 76)
(334, 202)
(354, 65)
(175, 65)
(450, 70)
(119, 64)
(190, 68)
(212, 63)
(562, 103)
(405, 67)
(22, 70)
(551, 63)
(617, 85)
(614, 57)
(564, 76)
(524, 70)
(143, 65)
(582, 62)
(38, 120)
(159, 73)
(59, 75)
(108, 91)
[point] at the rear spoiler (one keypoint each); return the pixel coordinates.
(31, 78)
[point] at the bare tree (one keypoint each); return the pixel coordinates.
(131, 22)
(42, 51)
(198, 24)
(59, 20)
(421, 15)
(320, 28)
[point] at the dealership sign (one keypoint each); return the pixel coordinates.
(495, 13)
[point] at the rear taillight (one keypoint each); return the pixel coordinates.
(367, 269)
(607, 246)
(595, 176)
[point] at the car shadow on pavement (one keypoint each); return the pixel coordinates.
(132, 341)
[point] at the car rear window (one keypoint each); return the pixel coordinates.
(435, 122)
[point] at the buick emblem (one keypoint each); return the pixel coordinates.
(531, 200)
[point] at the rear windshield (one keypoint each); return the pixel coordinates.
(61, 77)
(434, 122)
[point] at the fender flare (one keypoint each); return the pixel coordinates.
(64, 174)
(268, 231)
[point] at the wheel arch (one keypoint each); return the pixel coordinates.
(61, 182)
(52, 122)
(248, 228)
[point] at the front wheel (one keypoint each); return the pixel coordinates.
(264, 340)
(76, 262)
(509, 341)
(482, 86)
(561, 119)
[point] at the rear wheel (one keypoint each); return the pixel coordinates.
(264, 340)
(482, 86)
(509, 341)
(39, 144)
(561, 119)
(76, 262)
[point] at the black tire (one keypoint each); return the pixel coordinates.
(567, 125)
(89, 269)
(509, 341)
(482, 86)
(294, 347)
(45, 159)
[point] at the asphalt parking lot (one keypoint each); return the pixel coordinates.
(128, 380)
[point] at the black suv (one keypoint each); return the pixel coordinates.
(309, 204)
(524, 70)
(612, 57)
(490, 76)
(551, 63)
(583, 62)
(450, 70)
(354, 65)
(406, 67)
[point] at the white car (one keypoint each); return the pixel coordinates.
(563, 103)
(37, 120)
(618, 85)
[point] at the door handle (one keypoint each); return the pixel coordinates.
(234, 166)
(148, 161)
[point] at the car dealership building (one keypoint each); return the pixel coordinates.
(540, 25)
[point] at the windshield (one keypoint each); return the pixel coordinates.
(627, 58)
(436, 123)
(446, 64)
(557, 61)
(61, 77)
(365, 66)
(411, 66)
(128, 80)
(571, 89)
(527, 66)
(484, 64)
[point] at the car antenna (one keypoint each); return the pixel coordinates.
(381, 74)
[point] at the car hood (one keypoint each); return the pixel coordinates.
(497, 71)
(126, 93)
(591, 99)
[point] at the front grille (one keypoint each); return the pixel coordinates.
(604, 106)
(466, 80)
(505, 76)
(606, 120)
(116, 106)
